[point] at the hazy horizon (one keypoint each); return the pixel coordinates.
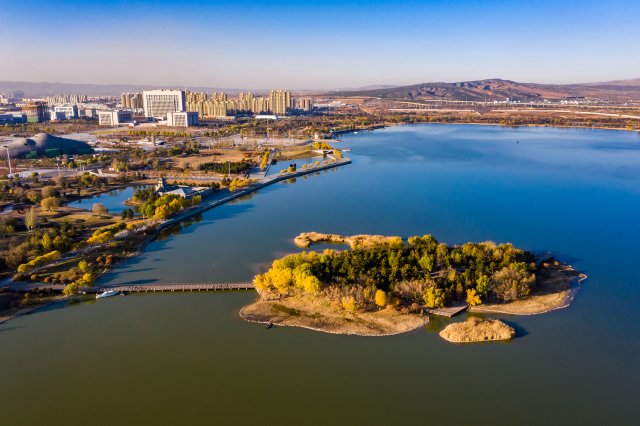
(312, 46)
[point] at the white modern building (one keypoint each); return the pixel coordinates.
(63, 112)
(157, 103)
(114, 118)
(182, 119)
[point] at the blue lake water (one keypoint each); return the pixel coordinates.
(189, 359)
(112, 200)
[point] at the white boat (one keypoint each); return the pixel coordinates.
(107, 293)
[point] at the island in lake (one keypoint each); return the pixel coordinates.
(385, 285)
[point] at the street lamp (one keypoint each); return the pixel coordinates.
(8, 158)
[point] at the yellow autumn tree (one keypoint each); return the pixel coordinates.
(472, 297)
(433, 297)
(349, 303)
(381, 298)
(162, 212)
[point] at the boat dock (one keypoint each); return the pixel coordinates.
(448, 311)
(172, 287)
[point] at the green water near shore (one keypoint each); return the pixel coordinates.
(188, 358)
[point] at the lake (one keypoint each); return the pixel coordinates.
(188, 359)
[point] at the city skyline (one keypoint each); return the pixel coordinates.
(319, 46)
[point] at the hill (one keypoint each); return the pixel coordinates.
(501, 90)
(632, 82)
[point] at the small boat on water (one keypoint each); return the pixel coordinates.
(269, 325)
(107, 293)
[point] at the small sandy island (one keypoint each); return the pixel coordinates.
(319, 316)
(305, 239)
(477, 330)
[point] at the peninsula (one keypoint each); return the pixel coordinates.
(385, 285)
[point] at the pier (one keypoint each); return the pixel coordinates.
(173, 287)
(448, 311)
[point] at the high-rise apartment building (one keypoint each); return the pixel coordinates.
(131, 101)
(66, 99)
(220, 97)
(305, 104)
(279, 101)
(157, 103)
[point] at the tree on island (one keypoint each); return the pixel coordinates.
(381, 298)
(420, 271)
(99, 209)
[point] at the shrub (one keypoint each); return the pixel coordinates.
(381, 298)
(39, 261)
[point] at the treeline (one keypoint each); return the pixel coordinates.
(233, 167)
(166, 205)
(515, 119)
(420, 271)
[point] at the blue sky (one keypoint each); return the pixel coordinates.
(298, 44)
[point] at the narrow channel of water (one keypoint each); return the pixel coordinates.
(112, 200)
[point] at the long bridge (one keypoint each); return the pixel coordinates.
(172, 287)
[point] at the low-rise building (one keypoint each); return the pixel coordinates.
(13, 118)
(188, 192)
(37, 112)
(182, 119)
(63, 112)
(88, 113)
(114, 118)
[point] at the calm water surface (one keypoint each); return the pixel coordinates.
(189, 359)
(112, 200)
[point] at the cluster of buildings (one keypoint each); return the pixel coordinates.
(32, 112)
(11, 97)
(277, 102)
(179, 108)
(67, 99)
(132, 101)
(54, 108)
(182, 108)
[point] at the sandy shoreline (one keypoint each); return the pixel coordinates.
(557, 292)
(317, 316)
(26, 311)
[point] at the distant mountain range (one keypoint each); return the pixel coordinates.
(479, 90)
(500, 90)
(633, 82)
